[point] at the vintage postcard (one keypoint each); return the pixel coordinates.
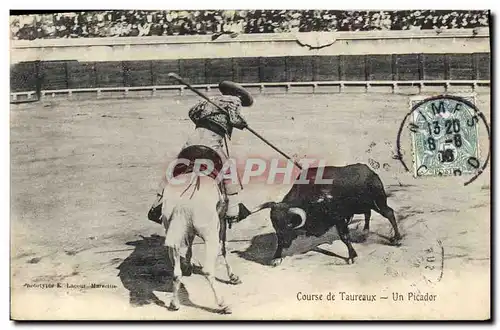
(250, 165)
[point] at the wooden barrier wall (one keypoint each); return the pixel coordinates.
(53, 75)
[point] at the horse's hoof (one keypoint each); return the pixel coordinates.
(225, 310)
(234, 279)
(350, 261)
(173, 306)
(276, 262)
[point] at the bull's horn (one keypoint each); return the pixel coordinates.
(262, 206)
(301, 213)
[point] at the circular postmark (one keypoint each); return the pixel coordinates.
(444, 133)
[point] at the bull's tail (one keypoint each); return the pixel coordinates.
(380, 202)
(262, 206)
(377, 193)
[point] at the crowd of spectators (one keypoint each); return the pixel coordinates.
(92, 24)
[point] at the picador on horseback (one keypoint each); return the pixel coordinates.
(210, 141)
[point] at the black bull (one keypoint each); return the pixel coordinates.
(316, 207)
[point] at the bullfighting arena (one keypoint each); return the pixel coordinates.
(84, 174)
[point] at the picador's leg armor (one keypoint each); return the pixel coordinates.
(236, 211)
(154, 213)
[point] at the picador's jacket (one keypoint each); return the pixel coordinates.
(210, 117)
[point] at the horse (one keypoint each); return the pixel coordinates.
(193, 206)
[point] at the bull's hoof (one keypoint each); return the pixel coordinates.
(350, 261)
(395, 241)
(186, 268)
(276, 262)
(173, 306)
(234, 279)
(225, 310)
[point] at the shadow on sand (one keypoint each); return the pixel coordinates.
(148, 269)
(261, 249)
(263, 246)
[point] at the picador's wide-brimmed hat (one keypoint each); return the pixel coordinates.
(231, 88)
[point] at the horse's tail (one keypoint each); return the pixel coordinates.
(182, 202)
(190, 188)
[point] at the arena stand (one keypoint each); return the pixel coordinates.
(465, 65)
(167, 23)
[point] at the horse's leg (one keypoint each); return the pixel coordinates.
(175, 231)
(233, 278)
(211, 239)
(186, 266)
(221, 210)
(174, 256)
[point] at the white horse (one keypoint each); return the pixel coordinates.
(192, 209)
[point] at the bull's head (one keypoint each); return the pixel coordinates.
(285, 219)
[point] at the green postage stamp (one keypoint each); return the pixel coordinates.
(444, 131)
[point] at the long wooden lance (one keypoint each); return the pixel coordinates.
(201, 94)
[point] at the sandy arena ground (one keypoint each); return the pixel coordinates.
(84, 173)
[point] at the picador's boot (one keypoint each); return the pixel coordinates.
(154, 213)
